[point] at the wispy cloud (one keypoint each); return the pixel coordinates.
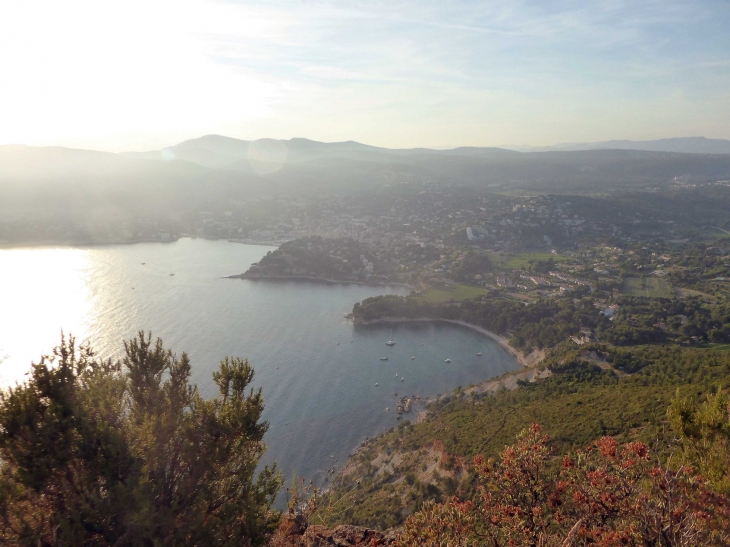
(397, 72)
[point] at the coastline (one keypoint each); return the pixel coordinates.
(93, 243)
(83, 243)
(319, 280)
(265, 243)
(527, 361)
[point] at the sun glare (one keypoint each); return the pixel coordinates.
(48, 293)
(77, 69)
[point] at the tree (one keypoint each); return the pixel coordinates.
(704, 432)
(127, 453)
(606, 495)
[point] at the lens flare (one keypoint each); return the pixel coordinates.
(267, 155)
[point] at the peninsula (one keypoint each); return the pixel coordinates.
(342, 260)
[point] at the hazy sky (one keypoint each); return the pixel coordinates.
(133, 75)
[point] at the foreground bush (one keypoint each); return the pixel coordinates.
(604, 496)
(128, 453)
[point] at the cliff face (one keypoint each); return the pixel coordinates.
(295, 532)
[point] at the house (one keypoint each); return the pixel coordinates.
(609, 311)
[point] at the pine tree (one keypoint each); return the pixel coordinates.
(127, 453)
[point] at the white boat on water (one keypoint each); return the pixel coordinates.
(447, 360)
(390, 342)
(413, 358)
(479, 354)
(383, 358)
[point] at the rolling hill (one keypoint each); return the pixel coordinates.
(215, 168)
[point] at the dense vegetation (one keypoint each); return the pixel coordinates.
(605, 495)
(127, 453)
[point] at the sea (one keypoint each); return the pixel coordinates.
(325, 386)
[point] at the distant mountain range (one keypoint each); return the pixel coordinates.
(214, 168)
(683, 145)
(217, 152)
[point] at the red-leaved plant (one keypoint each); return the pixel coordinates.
(606, 495)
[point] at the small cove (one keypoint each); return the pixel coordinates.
(318, 371)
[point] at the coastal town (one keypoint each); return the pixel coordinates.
(399, 216)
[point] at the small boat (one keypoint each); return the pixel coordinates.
(376, 383)
(401, 378)
(171, 275)
(413, 358)
(143, 263)
(383, 358)
(447, 360)
(479, 354)
(396, 375)
(390, 342)
(387, 409)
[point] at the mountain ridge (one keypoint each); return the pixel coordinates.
(683, 145)
(219, 151)
(213, 167)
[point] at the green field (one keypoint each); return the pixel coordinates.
(685, 293)
(520, 261)
(716, 347)
(446, 294)
(653, 287)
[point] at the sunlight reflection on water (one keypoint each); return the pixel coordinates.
(38, 292)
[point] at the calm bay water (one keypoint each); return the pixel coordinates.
(317, 370)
